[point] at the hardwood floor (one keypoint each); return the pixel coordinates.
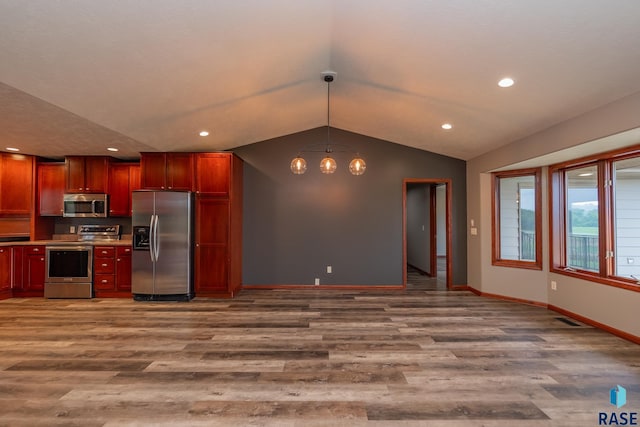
(424, 357)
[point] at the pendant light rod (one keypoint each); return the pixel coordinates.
(328, 122)
(328, 76)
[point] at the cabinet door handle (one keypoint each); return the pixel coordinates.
(118, 260)
(104, 265)
(104, 280)
(36, 250)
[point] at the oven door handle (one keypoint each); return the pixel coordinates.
(156, 238)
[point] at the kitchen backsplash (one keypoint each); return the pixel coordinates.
(63, 225)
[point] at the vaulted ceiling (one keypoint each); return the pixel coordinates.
(145, 75)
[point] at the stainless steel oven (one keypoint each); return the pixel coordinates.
(68, 270)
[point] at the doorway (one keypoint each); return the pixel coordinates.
(426, 228)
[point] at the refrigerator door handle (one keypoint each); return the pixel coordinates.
(152, 236)
(157, 240)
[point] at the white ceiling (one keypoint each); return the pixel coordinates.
(143, 75)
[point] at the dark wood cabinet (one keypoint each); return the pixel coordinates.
(16, 184)
(31, 282)
(123, 269)
(112, 271)
(134, 183)
(213, 175)
(166, 171)
(6, 262)
(87, 174)
(218, 229)
(123, 179)
(180, 171)
(50, 190)
(17, 260)
(103, 270)
(75, 181)
(153, 171)
(212, 239)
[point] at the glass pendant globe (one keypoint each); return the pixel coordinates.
(328, 165)
(298, 165)
(357, 166)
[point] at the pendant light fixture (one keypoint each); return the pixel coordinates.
(298, 165)
(328, 164)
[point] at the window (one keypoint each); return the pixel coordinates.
(626, 206)
(516, 219)
(595, 218)
(582, 218)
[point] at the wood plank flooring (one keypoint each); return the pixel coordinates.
(423, 357)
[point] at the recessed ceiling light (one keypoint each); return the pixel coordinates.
(204, 133)
(447, 126)
(112, 149)
(506, 82)
(12, 149)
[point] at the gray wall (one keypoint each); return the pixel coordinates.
(418, 227)
(296, 225)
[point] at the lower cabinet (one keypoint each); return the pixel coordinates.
(218, 248)
(28, 271)
(123, 269)
(211, 275)
(5, 272)
(112, 271)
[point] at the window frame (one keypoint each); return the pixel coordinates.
(606, 218)
(496, 258)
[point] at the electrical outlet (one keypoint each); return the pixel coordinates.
(329, 269)
(317, 282)
(72, 229)
(554, 285)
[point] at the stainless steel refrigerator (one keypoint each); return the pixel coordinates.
(162, 259)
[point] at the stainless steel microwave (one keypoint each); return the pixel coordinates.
(85, 205)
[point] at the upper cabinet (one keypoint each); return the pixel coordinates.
(166, 171)
(51, 186)
(123, 179)
(87, 174)
(213, 175)
(16, 184)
